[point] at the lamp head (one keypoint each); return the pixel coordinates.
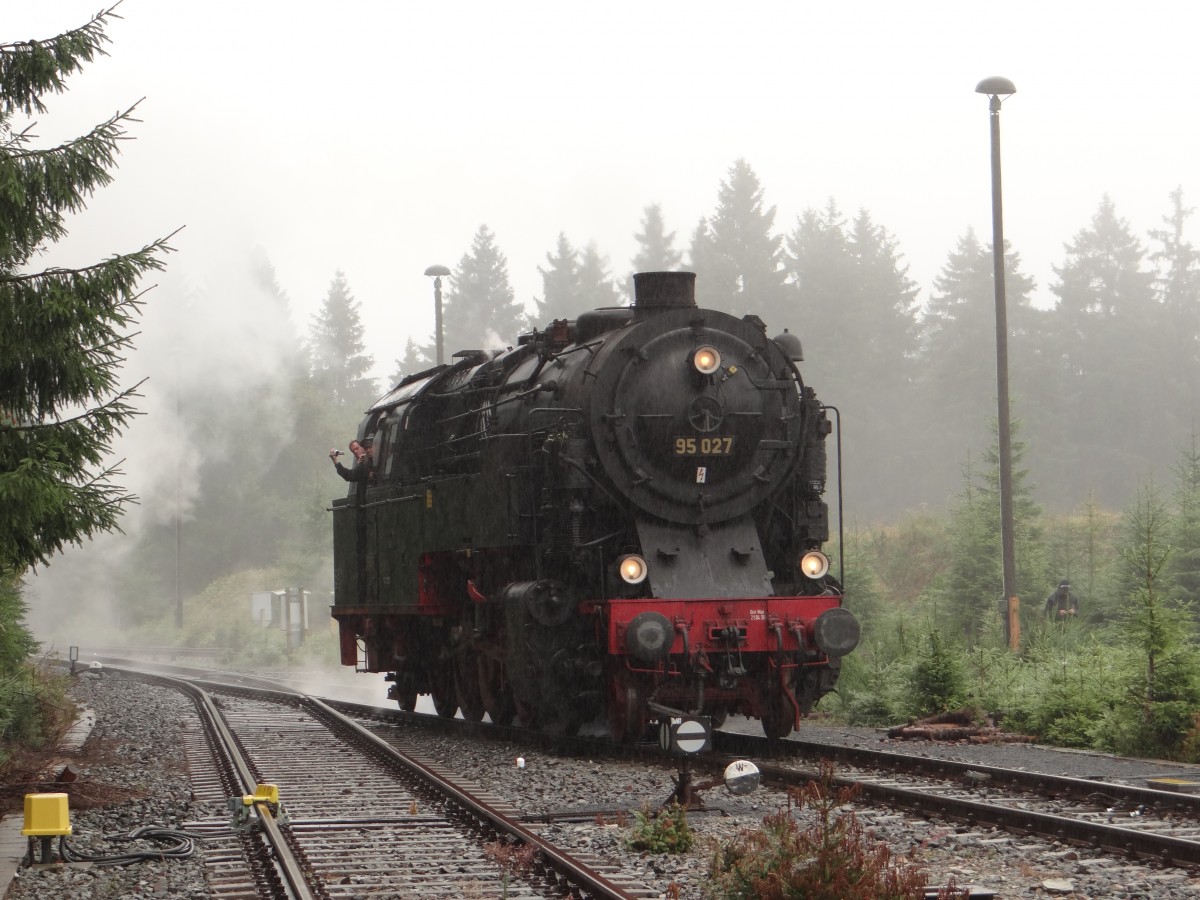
(996, 86)
(437, 271)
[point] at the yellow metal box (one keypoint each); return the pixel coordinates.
(46, 814)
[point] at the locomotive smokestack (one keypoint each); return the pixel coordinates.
(657, 291)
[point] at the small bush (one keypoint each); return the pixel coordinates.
(666, 831)
(832, 859)
(514, 860)
(34, 712)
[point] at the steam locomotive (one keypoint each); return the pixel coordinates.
(620, 517)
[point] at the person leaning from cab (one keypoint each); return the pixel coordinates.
(362, 470)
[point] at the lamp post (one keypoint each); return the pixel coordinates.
(436, 273)
(177, 352)
(997, 88)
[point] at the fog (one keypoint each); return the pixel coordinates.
(375, 138)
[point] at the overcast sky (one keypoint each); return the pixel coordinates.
(375, 137)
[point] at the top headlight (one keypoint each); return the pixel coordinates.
(706, 360)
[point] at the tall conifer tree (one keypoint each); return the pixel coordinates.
(738, 261)
(338, 361)
(596, 287)
(480, 310)
(1107, 329)
(854, 301)
(956, 379)
(656, 248)
(63, 332)
(416, 358)
(1177, 285)
(560, 284)
(1184, 563)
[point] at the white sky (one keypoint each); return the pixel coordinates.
(375, 137)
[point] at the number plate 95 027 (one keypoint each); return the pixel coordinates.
(703, 446)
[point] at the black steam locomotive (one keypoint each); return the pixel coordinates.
(622, 515)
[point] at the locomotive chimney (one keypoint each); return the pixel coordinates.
(657, 291)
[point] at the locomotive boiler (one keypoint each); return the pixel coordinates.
(622, 516)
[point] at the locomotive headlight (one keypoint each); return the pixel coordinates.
(633, 569)
(814, 564)
(706, 360)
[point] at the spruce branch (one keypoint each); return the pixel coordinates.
(29, 69)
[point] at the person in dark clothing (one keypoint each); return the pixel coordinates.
(361, 471)
(1062, 602)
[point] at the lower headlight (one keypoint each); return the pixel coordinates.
(633, 569)
(814, 564)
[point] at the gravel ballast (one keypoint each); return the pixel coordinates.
(134, 757)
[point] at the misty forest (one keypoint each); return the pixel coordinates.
(1105, 389)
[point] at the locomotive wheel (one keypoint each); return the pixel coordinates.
(466, 688)
(625, 720)
(404, 691)
(445, 704)
(495, 694)
(445, 697)
(778, 718)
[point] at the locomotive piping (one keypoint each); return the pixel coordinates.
(841, 526)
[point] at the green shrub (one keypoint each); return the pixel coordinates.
(938, 680)
(666, 831)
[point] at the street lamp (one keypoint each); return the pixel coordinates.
(177, 352)
(997, 88)
(436, 273)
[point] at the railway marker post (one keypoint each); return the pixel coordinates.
(685, 736)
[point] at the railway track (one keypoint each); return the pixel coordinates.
(1126, 820)
(356, 814)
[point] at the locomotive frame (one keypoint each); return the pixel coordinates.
(620, 516)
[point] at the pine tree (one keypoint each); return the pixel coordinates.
(856, 302)
(974, 584)
(1177, 285)
(886, 298)
(596, 287)
(820, 268)
(338, 364)
(738, 262)
(63, 332)
(560, 284)
(480, 312)
(956, 380)
(1183, 566)
(656, 248)
(417, 358)
(1107, 331)
(1156, 711)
